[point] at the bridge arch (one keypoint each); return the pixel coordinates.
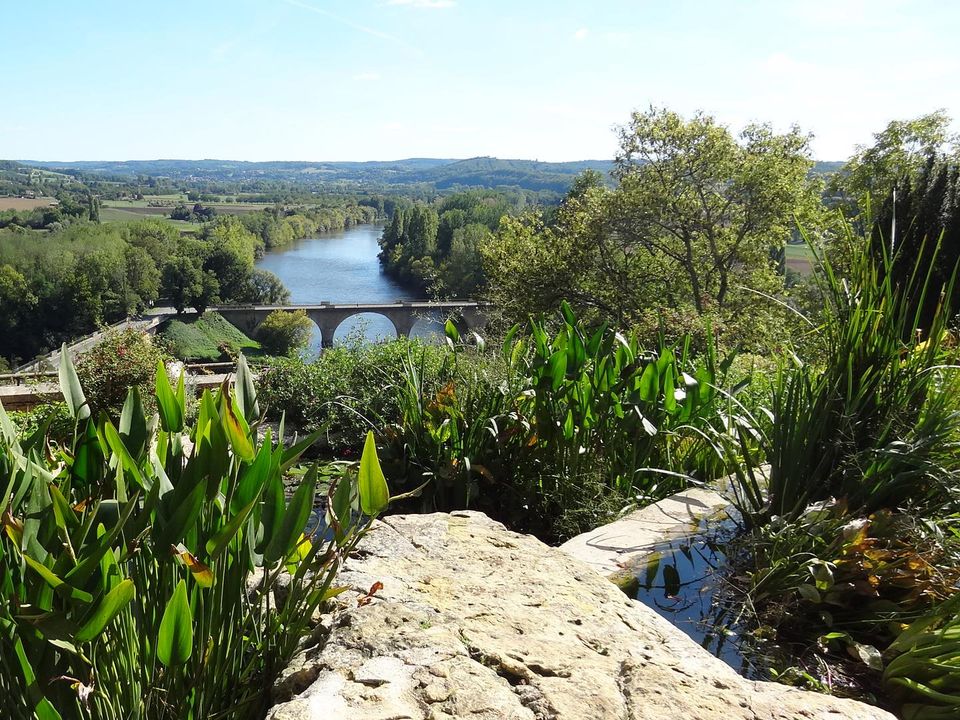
(378, 323)
(328, 316)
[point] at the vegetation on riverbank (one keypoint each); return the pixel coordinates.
(64, 284)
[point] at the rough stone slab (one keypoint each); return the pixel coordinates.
(610, 547)
(474, 621)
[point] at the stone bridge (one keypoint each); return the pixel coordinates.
(467, 314)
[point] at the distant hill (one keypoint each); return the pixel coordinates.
(439, 173)
(442, 173)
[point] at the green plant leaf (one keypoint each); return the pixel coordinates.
(59, 586)
(42, 708)
(669, 396)
(237, 432)
(111, 605)
(450, 330)
(294, 519)
(133, 424)
(70, 387)
(175, 639)
(246, 392)
(171, 412)
(371, 484)
(649, 383)
(219, 542)
(120, 449)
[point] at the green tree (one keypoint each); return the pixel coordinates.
(183, 282)
(899, 151)
(690, 227)
(285, 332)
(267, 289)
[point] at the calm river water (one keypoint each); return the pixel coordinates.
(341, 267)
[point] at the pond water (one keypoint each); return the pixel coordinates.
(342, 267)
(683, 581)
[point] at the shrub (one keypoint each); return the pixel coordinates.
(126, 559)
(123, 359)
(285, 332)
(874, 420)
(348, 390)
(559, 430)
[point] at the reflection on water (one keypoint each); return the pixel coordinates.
(342, 267)
(683, 581)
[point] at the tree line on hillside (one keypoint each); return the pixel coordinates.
(277, 227)
(60, 285)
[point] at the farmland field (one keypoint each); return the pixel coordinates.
(16, 203)
(799, 258)
(114, 214)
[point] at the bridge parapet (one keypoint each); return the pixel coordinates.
(329, 316)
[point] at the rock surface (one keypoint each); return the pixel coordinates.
(609, 547)
(477, 622)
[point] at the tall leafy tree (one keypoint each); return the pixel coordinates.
(690, 228)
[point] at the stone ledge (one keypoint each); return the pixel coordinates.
(476, 621)
(610, 547)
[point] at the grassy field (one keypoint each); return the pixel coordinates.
(12, 203)
(799, 258)
(202, 337)
(127, 210)
(115, 214)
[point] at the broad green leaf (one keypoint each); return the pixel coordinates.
(669, 396)
(371, 484)
(179, 510)
(111, 605)
(450, 330)
(338, 510)
(89, 559)
(42, 708)
(88, 457)
(7, 430)
(70, 387)
(272, 513)
(246, 392)
(175, 639)
(557, 369)
(133, 424)
(236, 431)
(254, 475)
(650, 383)
(116, 444)
(59, 586)
(171, 412)
(294, 519)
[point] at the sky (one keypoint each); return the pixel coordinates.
(388, 79)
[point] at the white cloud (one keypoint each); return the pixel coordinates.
(433, 4)
(581, 34)
(367, 77)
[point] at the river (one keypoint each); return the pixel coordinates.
(341, 267)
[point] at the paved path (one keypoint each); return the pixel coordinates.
(147, 323)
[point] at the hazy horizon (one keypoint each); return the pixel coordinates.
(293, 80)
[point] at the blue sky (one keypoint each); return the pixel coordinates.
(387, 79)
